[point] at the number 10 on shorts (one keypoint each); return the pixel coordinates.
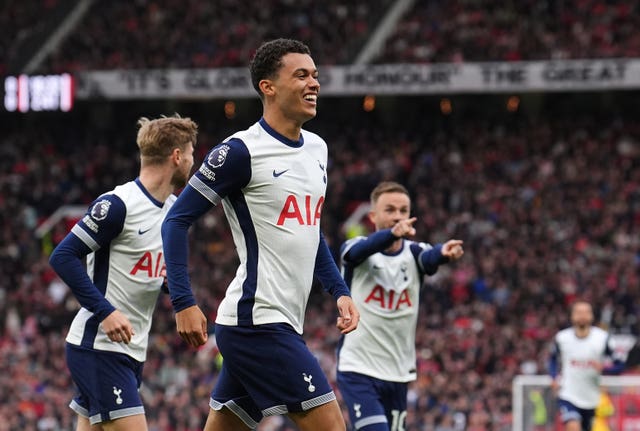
(397, 420)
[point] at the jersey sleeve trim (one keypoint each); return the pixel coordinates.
(85, 237)
(204, 190)
(423, 248)
(428, 257)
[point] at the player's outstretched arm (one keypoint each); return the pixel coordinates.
(404, 228)
(357, 250)
(429, 259)
(453, 249)
(348, 315)
(191, 324)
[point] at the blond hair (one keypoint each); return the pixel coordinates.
(158, 138)
(387, 187)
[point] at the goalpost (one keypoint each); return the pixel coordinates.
(534, 405)
(66, 213)
(74, 212)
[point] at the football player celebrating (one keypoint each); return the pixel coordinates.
(384, 272)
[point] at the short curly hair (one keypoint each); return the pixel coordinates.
(267, 60)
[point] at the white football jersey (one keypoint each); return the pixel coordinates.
(581, 360)
(386, 290)
(274, 219)
(126, 266)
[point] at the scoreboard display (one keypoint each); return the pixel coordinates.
(26, 93)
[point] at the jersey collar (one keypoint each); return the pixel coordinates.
(279, 137)
(147, 194)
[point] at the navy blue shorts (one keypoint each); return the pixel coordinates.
(569, 412)
(373, 403)
(107, 384)
(267, 370)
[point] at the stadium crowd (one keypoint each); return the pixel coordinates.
(224, 33)
(493, 30)
(18, 21)
(549, 209)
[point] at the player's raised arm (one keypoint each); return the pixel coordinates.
(430, 258)
(452, 249)
(404, 228)
(356, 250)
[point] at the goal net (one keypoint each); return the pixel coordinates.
(535, 407)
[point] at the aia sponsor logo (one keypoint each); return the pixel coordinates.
(305, 211)
(585, 363)
(149, 265)
(389, 299)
